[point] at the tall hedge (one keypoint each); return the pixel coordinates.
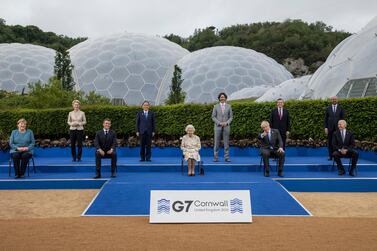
(307, 119)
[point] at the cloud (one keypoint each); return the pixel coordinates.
(94, 18)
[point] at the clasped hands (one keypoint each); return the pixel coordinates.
(22, 148)
(343, 151)
(102, 152)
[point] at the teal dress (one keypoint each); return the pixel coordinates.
(21, 139)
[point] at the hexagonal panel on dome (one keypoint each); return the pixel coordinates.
(22, 64)
(226, 68)
(135, 65)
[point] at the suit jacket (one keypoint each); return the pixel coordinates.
(337, 141)
(283, 124)
(218, 116)
(144, 124)
(331, 119)
(276, 140)
(105, 142)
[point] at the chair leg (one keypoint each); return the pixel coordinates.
(32, 159)
(182, 165)
(28, 168)
(10, 167)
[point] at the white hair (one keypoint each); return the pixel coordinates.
(190, 127)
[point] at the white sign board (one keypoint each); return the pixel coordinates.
(191, 206)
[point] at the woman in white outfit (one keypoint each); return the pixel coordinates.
(190, 146)
(76, 122)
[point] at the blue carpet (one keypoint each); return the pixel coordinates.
(330, 185)
(131, 195)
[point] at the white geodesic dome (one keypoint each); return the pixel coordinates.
(350, 69)
(249, 92)
(21, 64)
(126, 66)
(209, 71)
(290, 89)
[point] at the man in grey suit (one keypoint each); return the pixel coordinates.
(222, 116)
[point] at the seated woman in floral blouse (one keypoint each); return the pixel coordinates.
(190, 146)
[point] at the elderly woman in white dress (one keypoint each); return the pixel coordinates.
(190, 146)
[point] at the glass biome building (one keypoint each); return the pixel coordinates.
(127, 68)
(21, 64)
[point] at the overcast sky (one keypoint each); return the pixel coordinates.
(92, 18)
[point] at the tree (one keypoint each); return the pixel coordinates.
(63, 69)
(176, 95)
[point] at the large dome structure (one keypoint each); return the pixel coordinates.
(209, 71)
(126, 67)
(21, 64)
(250, 92)
(351, 68)
(290, 89)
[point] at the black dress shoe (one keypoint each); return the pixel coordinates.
(266, 174)
(341, 172)
(142, 160)
(227, 160)
(149, 160)
(215, 160)
(78, 160)
(280, 174)
(113, 175)
(97, 176)
(74, 160)
(329, 158)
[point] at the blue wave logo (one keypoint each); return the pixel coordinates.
(163, 206)
(236, 206)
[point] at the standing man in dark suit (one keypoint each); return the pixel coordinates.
(279, 119)
(334, 113)
(105, 143)
(145, 128)
(271, 145)
(343, 144)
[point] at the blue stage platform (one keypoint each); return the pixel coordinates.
(306, 170)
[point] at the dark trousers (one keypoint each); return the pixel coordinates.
(113, 158)
(76, 137)
(329, 142)
(350, 154)
(20, 162)
(284, 138)
(267, 154)
(145, 146)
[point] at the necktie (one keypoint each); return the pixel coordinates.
(334, 109)
(222, 108)
(106, 132)
(146, 114)
(280, 113)
(343, 135)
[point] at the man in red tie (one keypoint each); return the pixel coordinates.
(279, 119)
(343, 144)
(334, 113)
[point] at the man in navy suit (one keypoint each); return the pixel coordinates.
(105, 143)
(343, 145)
(334, 113)
(280, 119)
(145, 129)
(271, 145)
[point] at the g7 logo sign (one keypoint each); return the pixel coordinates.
(179, 206)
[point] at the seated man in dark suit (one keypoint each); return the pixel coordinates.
(271, 145)
(105, 143)
(343, 144)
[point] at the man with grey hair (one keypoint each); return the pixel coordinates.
(334, 113)
(271, 146)
(343, 145)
